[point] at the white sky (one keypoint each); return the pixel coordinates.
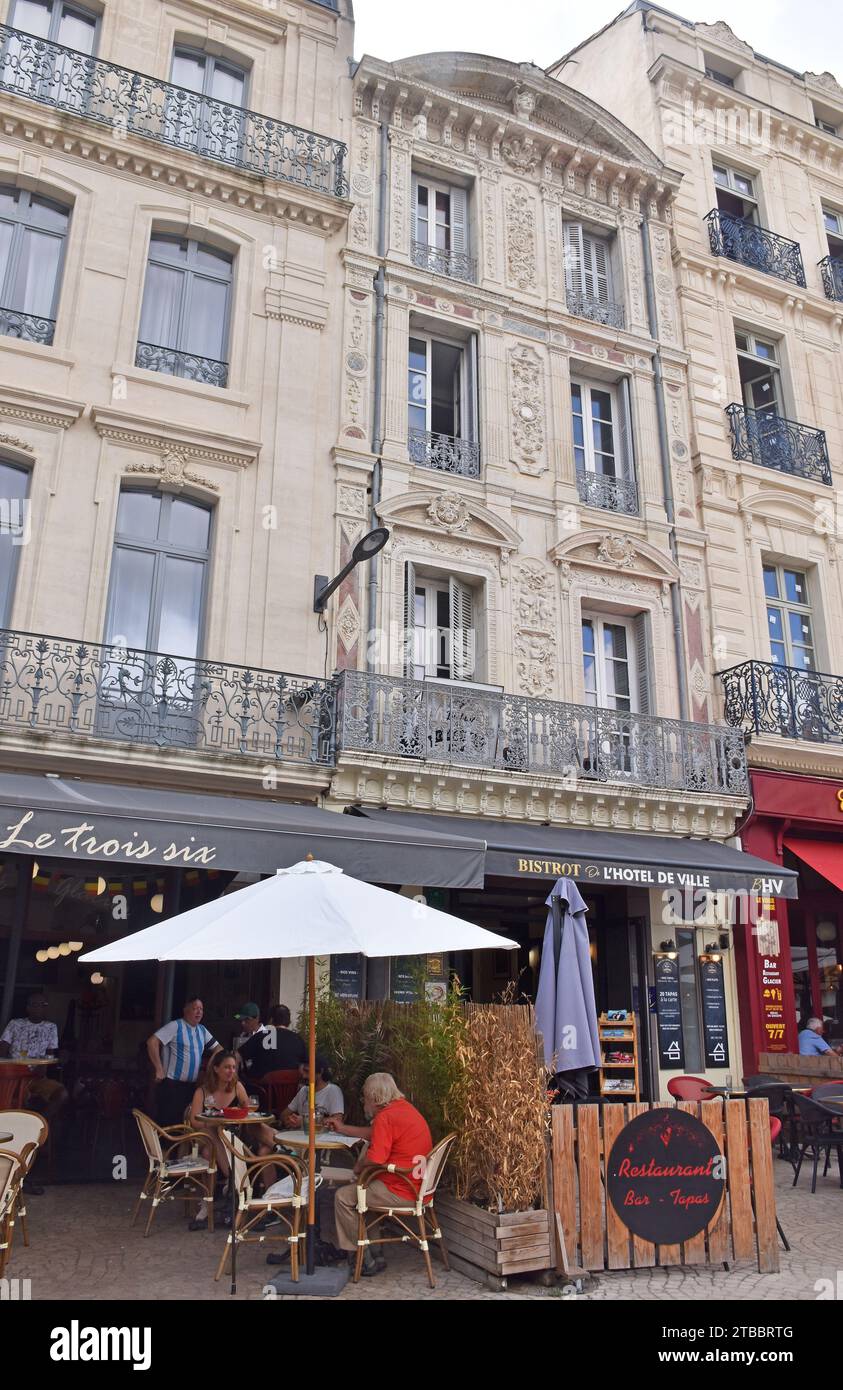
(803, 34)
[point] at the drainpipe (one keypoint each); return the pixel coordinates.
(377, 394)
(667, 482)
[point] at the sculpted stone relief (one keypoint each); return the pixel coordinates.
(526, 370)
(520, 231)
(535, 629)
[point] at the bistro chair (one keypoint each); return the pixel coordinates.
(689, 1088)
(29, 1135)
(188, 1179)
(112, 1103)
(251, 1208)
(817, 1133)
(750, 1082)
(279, 1088)
(416, 1206)
(14, 1084)
(11, 1176)
(829, 1090)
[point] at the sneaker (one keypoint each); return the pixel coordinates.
(200, 1221)
(278, 1257)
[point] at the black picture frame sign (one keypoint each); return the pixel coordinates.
(715, 1026)
(669, 1015)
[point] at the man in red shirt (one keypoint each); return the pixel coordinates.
(399, 1135)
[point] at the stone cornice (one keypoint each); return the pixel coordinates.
(39, 408)
(254, 18)
(165, 438)
(734, 273)
(794, 755)
(162, 164)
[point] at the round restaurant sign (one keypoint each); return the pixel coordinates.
(665, 1176)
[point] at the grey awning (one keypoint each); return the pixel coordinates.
(609, 857)
(66, 818)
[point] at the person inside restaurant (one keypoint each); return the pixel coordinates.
(176, 1052)
(330, 1104)
(249, 1018)
(276, 1048)
(398, 1134)
(811, 1040)
(35, 1038)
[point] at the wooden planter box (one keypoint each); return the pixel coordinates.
(499, 1243)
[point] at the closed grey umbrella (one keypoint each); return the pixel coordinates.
(566, 1014)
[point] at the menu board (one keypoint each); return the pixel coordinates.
(665, 1176)
(766, 932)
(347, 976)
(715, 1034)
(669, 1015)
(405, 979)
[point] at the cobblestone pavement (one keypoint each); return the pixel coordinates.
(82, 1247)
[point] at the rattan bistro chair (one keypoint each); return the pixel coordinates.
(251, 1208)
(189, 1178)
(12, 1168)
(29, 1134)
(416, 1206)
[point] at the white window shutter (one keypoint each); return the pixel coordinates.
(643, 662)
(462, 630)
(574, 258)
(626, 451)
(459, 220)
(409, 618)
(596, 259)
(468, 424)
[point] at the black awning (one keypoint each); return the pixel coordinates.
(66, 818)
(608, 857)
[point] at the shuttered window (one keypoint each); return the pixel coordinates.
(442, 387)
(441, 216)
(440, 632)
(587, 271)
(616, 663)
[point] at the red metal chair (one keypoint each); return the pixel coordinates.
(14, 1084)
(689, 1088)
(775, 1135)
(280, 1087)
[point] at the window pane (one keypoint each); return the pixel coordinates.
(33, 17)
(209, 259)
(743, 184)
(188, 71)
(206, 330)
(77, 30)
(776, 625)
(181, 606)
(38, 273)
(161, 304)
(688, 1001)
(44, 213)
(614, 641)
(771, 582)
(189, 524)
(588, 636)
(138, 515)
(795, 587)
(777, 654)
(228, 85)
(721, 176)
(765, 350)
(6, 233)
(418, 354)
(131, 597)
(13, 489)
(168, 249)
(832, 221)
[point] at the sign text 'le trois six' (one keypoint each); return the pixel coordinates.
(82, 839)
(626, 873)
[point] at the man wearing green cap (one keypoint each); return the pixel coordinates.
(249, 1018)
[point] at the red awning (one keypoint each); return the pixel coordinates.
(823, 855)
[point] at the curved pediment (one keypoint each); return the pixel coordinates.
(789, 509)
(523, 93)
(621, 552)
(448, 513)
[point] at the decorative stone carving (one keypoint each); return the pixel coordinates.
(351, 501)
(14, 441)
(521, 154)
(173, 472)
(827, 80)
(535, 630)
(348, 623)
(523, 102)
(527, 410)
(520, 238)
(616, 550)
(449, 511)
(723, 34)
(359, 225)
(535, 664)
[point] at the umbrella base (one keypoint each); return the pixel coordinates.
(324, 1282)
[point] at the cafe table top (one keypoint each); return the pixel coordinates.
(325, 1139)
(29, 1062)
(254, 1117)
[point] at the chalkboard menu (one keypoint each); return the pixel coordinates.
(715, 1036)
(665, 1176)
(669, 1015)
(405, 979)
(347, 976)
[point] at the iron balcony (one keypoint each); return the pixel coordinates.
(599, 311)
(89, 690)
(832, 273)
(741, 240)
(132, 103)
(396, 717)
(762, 697)
(184, 364)
(29, 327)
(455, 264)
(762, 437)
(445, 453)
(610, 494)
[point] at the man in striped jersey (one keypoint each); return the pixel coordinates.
(176, 1052)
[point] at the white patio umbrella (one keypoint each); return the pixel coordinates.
(311, 909)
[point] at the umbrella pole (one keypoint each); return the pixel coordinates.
(310, 1242)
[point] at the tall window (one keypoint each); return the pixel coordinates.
(14, 485)
(442, 405)
(185, 314)
(209, 122)
(760, 373)
(603, 445)
(441, 639)
(833, 222)
(440, 236)
(32, 237)
(70, 25)
(588, 276)
(736, 193)
(615, 663)
(789, 617)
(50, 76)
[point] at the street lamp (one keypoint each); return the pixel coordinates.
(365, 549)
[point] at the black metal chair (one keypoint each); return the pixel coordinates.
(750, 1082)
(816, 1132)
(828, 1090)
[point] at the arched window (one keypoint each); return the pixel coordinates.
(33, 231)
(185, 313)
(14, 531)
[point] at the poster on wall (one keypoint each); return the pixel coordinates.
(713, 992)
(669, 1015)
(405, 979)
(770, 979)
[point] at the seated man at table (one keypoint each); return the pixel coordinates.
(330, 1104)
(811, 1040)
(34, 1037)
(398, 1134)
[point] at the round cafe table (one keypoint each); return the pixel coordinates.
(254, 1117)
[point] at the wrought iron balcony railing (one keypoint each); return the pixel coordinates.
(762, 437)
(455, 264)
(184, 364)
(582, 307)
(70, 689)
(740, 240)
(764, 698)
(30, 327)
(444, 452)
(454, 724)
(832, 273)
(132, 103)
(612, 494)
